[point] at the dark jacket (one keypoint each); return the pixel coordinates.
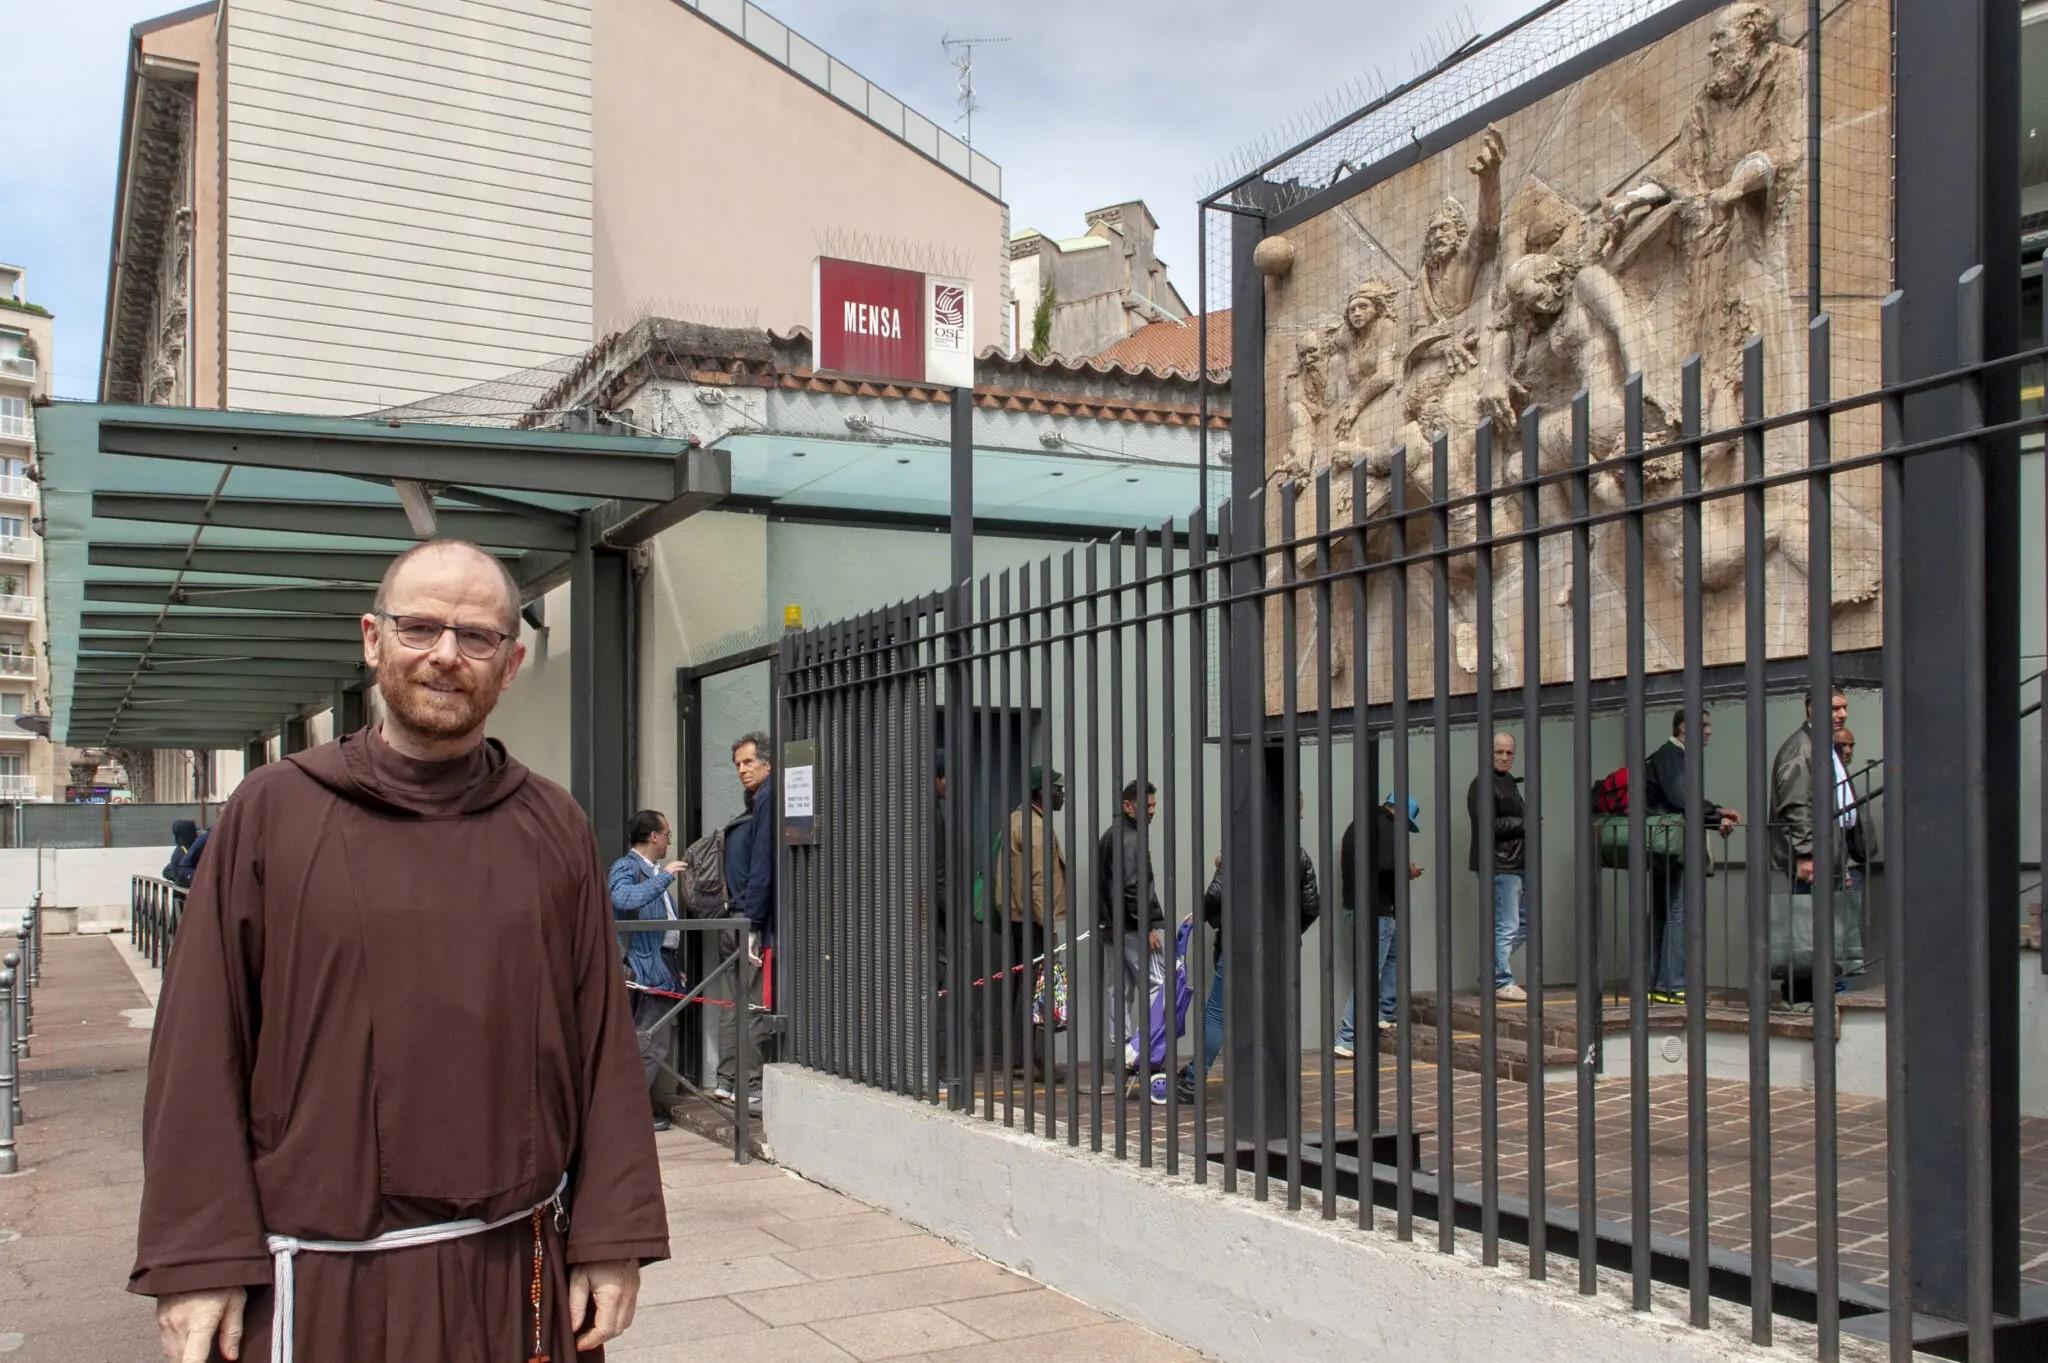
(641, 891)
(1311, 896)
(1664, 784)
(750, 862)
(1507, 823)
(184, 862)
(182, 833)
(1118, 858)
(1384, 832)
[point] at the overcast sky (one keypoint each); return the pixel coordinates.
(1087, 104)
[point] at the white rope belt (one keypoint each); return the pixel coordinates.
(285, 1248)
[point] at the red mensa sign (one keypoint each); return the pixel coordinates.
(876, 322)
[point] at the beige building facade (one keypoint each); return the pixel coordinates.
(336, 207)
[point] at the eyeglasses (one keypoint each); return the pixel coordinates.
(419, 633)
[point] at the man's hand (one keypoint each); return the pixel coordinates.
(1802, 869)
(187, 1323)
(1414, 871)
(675, 868)
(1729, 818)
(607, 1294)
(1158, 942)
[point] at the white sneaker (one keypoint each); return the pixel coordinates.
(1344, 1050)
(723, 1093)
(1511, 993)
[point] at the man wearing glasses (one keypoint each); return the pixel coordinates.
(396, 1107)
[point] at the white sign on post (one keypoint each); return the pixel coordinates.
(798, 798)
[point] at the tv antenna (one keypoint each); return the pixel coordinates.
(961, 52)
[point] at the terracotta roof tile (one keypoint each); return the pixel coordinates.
(1170, 346)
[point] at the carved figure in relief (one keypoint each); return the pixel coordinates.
(1307, 386)
(1372, 360)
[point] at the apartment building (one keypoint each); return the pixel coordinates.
(30, 767)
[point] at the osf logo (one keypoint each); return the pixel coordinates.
(949, 305)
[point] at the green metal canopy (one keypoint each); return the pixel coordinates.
(205, 570)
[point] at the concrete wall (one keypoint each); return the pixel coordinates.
(532, 717)
(1237, 1279)
(90, 885)
(408, 197)
(725, 227)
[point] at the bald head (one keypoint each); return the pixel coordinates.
(461, 565)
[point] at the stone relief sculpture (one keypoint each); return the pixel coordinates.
(1509, 308)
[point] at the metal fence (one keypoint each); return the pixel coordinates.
(1055, 686)
(99, 825)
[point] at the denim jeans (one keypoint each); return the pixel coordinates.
(1212, 1024)
(1509, 928)
(1347, 1029)
(1667, 928)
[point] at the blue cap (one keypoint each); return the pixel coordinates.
(1414, 811)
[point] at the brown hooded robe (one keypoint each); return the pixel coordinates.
(395, 1000)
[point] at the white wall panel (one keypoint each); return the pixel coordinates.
(409, 196)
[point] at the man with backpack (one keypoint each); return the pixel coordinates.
(642, 887)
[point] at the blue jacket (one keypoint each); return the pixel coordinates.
(640, 891)
(750, 862)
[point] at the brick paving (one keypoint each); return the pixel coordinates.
(1861, 1151)
(766, 1266)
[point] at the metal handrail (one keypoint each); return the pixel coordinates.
(745, 1063)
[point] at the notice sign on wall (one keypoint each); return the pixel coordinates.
(876, 322)
(799, 793)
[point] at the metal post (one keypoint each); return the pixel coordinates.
(24, 983)
(10, 1086)
(1255, 1065)
(1957, 123)
(600, 669)
(963, 485)
(15, 1045)
(18, 1005)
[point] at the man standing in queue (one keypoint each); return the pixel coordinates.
(395, 1106)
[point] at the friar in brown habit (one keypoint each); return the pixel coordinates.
(395, 1110)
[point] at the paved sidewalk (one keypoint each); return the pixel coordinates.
(767, 1267)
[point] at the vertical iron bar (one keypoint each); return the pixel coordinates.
(1981, 1284)
(1030, 849)
(1355, 874)
(1226, 685)
(1326, 1011)
(1483, 850)
(1169, 792)
(1098, 994)
(1532, 835)
(1827, 874)
(1286, 940)
(1639, 935)
(986, 821)
(1440, 723)
(1077, 890)
(1756, 875)
(1262, 879)
(1198, 744)
(1142, 565)
(1404, 984)
(1694, 871)
(1117, 869)
(1898, 768)
(1048, 944)
(1011, 780)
